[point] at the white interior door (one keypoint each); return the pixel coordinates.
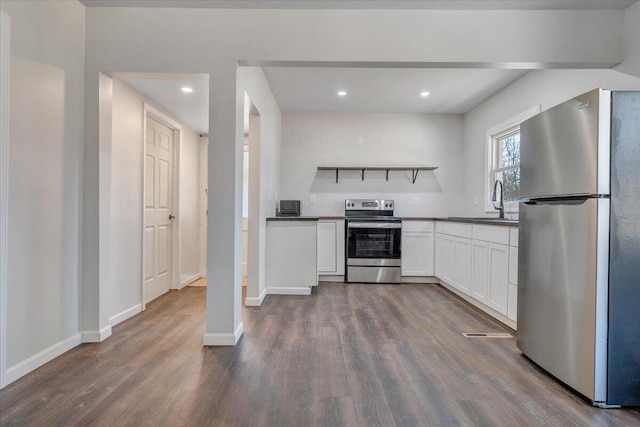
(157, 209)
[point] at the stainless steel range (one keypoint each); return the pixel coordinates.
(373, 242)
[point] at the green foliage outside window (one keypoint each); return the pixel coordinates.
(508, 164)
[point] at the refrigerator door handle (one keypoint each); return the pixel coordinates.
(563, 200)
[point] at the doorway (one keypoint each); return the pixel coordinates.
(155, 127)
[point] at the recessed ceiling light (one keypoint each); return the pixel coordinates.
(424, 94)
(342, 93)
(186, 89)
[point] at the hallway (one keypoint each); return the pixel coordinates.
(357, 355)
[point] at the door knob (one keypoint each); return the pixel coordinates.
(172, 217)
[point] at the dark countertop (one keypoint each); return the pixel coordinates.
(496, 221)
(293, 218)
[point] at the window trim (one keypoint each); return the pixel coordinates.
(492, 135)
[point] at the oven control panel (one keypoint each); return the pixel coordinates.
(368, 204)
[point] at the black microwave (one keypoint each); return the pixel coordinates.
(288, 208)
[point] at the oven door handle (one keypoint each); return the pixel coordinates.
(374, 225)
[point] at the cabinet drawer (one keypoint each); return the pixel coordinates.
(418, 226)
(490, 233)
(458, 229)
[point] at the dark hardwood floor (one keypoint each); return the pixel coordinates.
(353, 355)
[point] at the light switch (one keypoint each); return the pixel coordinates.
(312, 199)
(360, 140)
(416, 201)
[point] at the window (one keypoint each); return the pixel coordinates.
(506, 163)
(503, 160)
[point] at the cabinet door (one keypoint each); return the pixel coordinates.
(340, 247)
(327, 240)
(480, 271)
(512, 306)
(498, 277)
(438, 261)
(417, 254)
(513, 265)
(463, 265)
(448, 258)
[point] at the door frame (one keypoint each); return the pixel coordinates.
(176, 127)
(5, 55)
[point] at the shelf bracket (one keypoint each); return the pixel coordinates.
(363, 174)
(337, 172)
(387, 174)
(414, 174)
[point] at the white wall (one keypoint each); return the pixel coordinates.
(189, 207)
(203, 145)
(631, 41)
(546, 88)
(324, 139)
(126, 200)
(46, 140)
(265, 135)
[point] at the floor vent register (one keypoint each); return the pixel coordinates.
(487, 335)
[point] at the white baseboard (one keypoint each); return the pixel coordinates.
(328, 278)
(23, 368)
(490, 311)
(125, 314)
(190, 280)
(224, 339)
(289, 291)
(255, 302)
(420, 279)
(96, 336)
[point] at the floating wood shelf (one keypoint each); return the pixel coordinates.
(414, 170)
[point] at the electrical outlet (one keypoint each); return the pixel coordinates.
(475, 201)
(416, 201)
(312, 199)
(360, 140)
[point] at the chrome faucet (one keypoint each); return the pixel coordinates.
(494, 199)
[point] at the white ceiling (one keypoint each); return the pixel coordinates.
(164, 90)
(314, 89)
(370, 4)
(385, 90)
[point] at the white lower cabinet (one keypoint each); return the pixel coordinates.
(462, 272)
(417, 254)
(480, 261)
(498, 297)
(448, 258)
(480, 270)
(438, 266)
(512, 305)
(330, 247)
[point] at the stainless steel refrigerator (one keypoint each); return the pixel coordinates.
(579, 248)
